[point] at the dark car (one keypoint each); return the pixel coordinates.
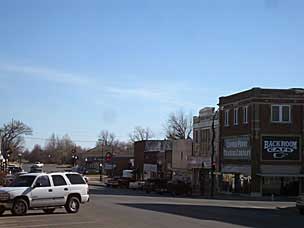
(123, 182)
(14, 169)
(113, 182)
(156, 185)
(179, 188)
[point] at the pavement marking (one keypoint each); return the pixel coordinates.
(66, 224)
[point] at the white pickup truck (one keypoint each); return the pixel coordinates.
(46, 191)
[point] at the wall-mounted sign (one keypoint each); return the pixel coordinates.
(158, 145)
(109, 166)
(150, 168)
(281, 148)
(196, 162)
(237, 148)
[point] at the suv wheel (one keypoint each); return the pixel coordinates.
(49, 210)
(2, 210)
(72, 205)
(19, 207)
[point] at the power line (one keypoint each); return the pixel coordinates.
(48, 139)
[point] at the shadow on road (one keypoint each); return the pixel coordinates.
(129, 192)
(250, 217)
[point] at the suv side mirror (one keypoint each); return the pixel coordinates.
(37, 185)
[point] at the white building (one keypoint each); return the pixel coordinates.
(181, 152)
(200, 162)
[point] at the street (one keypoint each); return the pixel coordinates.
(126, 208)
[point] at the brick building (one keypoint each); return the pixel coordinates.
(261, 135)
(153, 158)
(122, 158)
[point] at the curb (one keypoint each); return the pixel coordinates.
(97, 184)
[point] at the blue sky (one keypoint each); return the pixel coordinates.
(77, 67)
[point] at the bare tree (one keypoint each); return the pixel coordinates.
(11, 135)
(140, 134)
(106, 138)
(179, 126)
(36, 154)
(59, 150)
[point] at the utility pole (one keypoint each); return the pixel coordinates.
(102, 162)
(112, 162)
(212, 155)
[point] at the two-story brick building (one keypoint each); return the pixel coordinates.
(153, 159)
(261, 135)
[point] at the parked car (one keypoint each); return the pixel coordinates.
(37, 168)
(137, 185)
(12, 169)
(44, 191)
(92, 171)
(156, 185)
(123, 182)
(112, 182)
(79, 169)
(179, 188)
(300, 203)
(8, 179)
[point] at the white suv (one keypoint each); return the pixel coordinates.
(44, 191)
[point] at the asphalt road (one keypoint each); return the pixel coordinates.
(126, 208)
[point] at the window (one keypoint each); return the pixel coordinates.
(58, 180)
(43, 181)
(205, 145)
(227, 118)
(75, 179)
(236, 116)
(285, 113)
(182, 155)
(280, 113)
(23, 181)
(245, 115)
(275, 113)
(196, 136)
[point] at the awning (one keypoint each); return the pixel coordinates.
(280, 175)
(241, 169)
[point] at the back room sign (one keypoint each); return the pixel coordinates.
(281, 148)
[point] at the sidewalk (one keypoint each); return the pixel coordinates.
(222, 196)
(96, 183)
(245, 197)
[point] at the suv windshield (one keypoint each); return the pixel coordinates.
(23, 181)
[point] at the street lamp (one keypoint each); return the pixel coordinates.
(100, 171)
(74, 157)
(159, 162)
(19, 156)
(86, 162)
(7, 160)
(1, 160)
